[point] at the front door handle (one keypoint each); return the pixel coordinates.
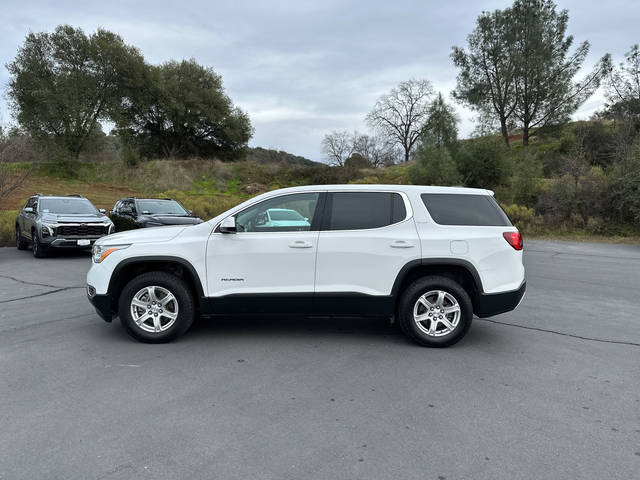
(300, 244)
(401, 244)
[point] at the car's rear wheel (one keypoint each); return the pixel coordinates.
(156, 307)
(21, 244)
(435, 311)
(36, 247)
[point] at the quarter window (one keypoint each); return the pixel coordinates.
(362, 210)
(287, 213)
(470, 210)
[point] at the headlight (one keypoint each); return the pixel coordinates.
(47, 230)
(100, 252)
(111, 229)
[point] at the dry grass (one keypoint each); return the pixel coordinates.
(102, 195)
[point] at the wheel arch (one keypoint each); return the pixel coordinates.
(132, 267)
(459, 270)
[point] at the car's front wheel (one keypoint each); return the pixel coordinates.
(156, 307)
(435, 311)
(36, 247)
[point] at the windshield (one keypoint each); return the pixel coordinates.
(285, 215)
(160, 207)
(67, 206)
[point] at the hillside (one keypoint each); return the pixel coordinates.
(568, 183)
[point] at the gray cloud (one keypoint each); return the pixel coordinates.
(304, 68)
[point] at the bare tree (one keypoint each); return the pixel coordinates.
(375, 150)
(14, 148)
(400, 115)
(337, 147)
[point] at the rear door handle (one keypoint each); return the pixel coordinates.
(401, 244)
(300, 244)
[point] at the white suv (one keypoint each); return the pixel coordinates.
(429, 256)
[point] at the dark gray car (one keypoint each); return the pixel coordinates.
(129, 213)
(49, 221)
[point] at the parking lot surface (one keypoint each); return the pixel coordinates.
(551, 390)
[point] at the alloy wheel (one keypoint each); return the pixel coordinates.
(154, 309)
(437, 313)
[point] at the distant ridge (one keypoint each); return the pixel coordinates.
(266, 155)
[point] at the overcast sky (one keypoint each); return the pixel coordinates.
(304, 68)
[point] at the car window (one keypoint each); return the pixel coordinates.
(287, 213)
(160, 207)
(362, 210)
(126, 207)
(68, 206)
(470, 210)
(32, 203)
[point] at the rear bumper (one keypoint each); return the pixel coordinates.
(487, 305)
(102, 304)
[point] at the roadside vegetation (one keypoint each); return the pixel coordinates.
(175, 133)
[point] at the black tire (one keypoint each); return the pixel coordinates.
(177, 287)
(21, 244)
(409, 299)
(36, 247)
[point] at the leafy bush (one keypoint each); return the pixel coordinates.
(525, 185)
(7, 227)
(482, 162)
(623, 192)
(524, 218)
(434, 167)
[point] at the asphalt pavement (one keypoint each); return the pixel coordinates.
(550, 391)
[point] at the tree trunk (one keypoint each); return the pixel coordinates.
(406, 155)
(504, 130)
(525, 134)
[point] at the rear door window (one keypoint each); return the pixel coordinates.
(363, 210)
(470, 210)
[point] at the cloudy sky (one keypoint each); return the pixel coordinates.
(303, 68)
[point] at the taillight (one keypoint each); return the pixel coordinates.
(514, 239)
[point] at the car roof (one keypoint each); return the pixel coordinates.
(396, 188)
(79, 197)
(154, 199)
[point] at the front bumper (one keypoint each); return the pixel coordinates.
(68, 242)
(487, 305)
(101, 302)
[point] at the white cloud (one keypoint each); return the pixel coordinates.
(302, 68)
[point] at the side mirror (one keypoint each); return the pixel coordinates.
(102, 210)
(190, 212)
(228, 225)
(28, 209)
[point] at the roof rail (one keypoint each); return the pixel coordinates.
(75, 195)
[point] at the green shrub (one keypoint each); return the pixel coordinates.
(524, 218)
(482, 162)
(7, 227)
(434, 167)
